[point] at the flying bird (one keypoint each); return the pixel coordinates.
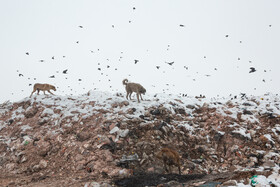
(53, 57)
(77, 42)
(182, 25)
(252, 70)
(79, 79)
(226, 35)
(27, 53)
(81, 26)
(20, 75)
(52, 76)
(170, 63)
(99, 69)
(41, 60)
(134, 8)
(135, 61)
(157, 67)
(65, 71)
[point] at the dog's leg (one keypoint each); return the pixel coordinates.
(165, 168)
(130, 93)
(32, 93)
(44, 92)
(138, 97)
(38, 91)
(179, 169)
(50, 92)
(170, 170)
(127, 95)
(141, 97)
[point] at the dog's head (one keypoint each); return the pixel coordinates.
(53, 88)
(143, 91)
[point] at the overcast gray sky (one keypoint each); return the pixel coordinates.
(150, 33)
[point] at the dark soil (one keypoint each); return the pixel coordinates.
(153, 179)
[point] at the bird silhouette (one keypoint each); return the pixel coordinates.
(27, 53)
(252, 70)
(135, 61)
(81, 26)
(20, 75)
(157, 67)
(170, 63)
(52, 76)
(65, 71)
(182, 25)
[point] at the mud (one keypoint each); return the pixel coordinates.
(146, 179)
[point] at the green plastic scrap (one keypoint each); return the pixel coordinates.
(253, 182)
(26, 142)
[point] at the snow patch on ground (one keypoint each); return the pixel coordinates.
(242, 131)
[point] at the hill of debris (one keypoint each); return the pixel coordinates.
(101, 137)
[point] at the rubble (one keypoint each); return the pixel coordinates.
(101, 137)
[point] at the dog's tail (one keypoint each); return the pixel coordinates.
(124, 82)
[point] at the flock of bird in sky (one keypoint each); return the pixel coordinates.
(136, 61)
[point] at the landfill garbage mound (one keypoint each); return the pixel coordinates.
(100, 137)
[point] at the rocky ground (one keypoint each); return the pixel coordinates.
(100, 138)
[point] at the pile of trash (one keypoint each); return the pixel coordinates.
(100, 137)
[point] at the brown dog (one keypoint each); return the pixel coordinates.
(43, 87)
(169, 157)
(133, 87)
